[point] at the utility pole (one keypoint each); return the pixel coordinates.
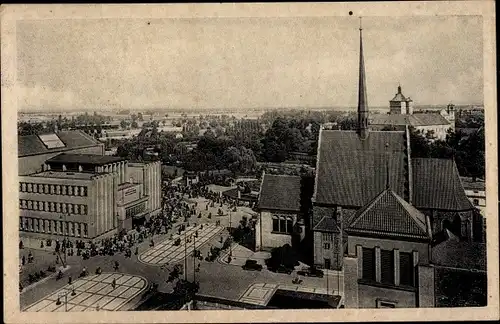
(230, 235)
(185, 256)
(194, 259)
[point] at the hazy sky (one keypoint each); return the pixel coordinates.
(246, 63)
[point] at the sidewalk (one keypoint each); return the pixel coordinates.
(241, 254)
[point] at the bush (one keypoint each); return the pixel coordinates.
(177, 242)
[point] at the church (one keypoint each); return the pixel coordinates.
(376, 204)
(401, 115)
(375, 213)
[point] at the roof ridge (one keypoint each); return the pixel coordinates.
(409, 210)
(368, 206)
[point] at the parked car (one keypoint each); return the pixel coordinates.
(252, 265)
(311, 272)
(282, 269)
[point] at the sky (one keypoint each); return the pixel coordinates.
(240, 63)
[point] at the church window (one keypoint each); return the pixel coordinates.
(476, 202)
(387, 266)
(326, 246)
(369, 264)
(282, 224)
(407, 271)
(276, 226)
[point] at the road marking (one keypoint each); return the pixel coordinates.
(92, 292)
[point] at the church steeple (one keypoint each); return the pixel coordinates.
(362, 99)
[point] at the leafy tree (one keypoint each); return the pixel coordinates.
(239, 159)
(140, 117)
(124, 124)
(134, 124)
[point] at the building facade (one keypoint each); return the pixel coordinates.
(401, 115)
(85, 195)
(281, 217)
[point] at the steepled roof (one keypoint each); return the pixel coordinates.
(399, 96)
(437, 185)
(389, 215)
(351, 171)
(362, 93)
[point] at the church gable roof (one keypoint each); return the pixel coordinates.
(351, 171)
(437, 185)
(327, 224)
(280, 192)
(389, 214)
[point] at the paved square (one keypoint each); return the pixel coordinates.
(166, 252)
(92, 292)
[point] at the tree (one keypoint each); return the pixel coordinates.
(239, 159)
(134, 125)
(140, 117)
(124, 124)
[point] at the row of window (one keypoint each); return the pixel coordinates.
(49, 206)
(53, 189)
(134, 210)
(48, 226)
(387, 260)
(327, 240)
(282, 224)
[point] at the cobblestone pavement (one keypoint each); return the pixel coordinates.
(92, 293)
(166, 252)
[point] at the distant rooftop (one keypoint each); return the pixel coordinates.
(54, 142)
(85, 159)
(65, 175)
(471, 184)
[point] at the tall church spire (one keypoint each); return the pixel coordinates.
(362, 99)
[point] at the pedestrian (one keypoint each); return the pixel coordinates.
(69, 280)
(57, 259)
(113, 284)
(41, 244)
(23, 260)
(21, 245)
(136, 250)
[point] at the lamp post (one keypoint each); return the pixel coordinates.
(194, 258)
(185, 256)
(64, 232)
(230, 235)
(64, 294)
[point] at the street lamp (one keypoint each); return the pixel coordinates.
(64, 294)
(185, 255)
(64, 229)
(230, 235)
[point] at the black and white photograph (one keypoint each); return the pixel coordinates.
(245, 162)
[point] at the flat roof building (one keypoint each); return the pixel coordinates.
(71, 189)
